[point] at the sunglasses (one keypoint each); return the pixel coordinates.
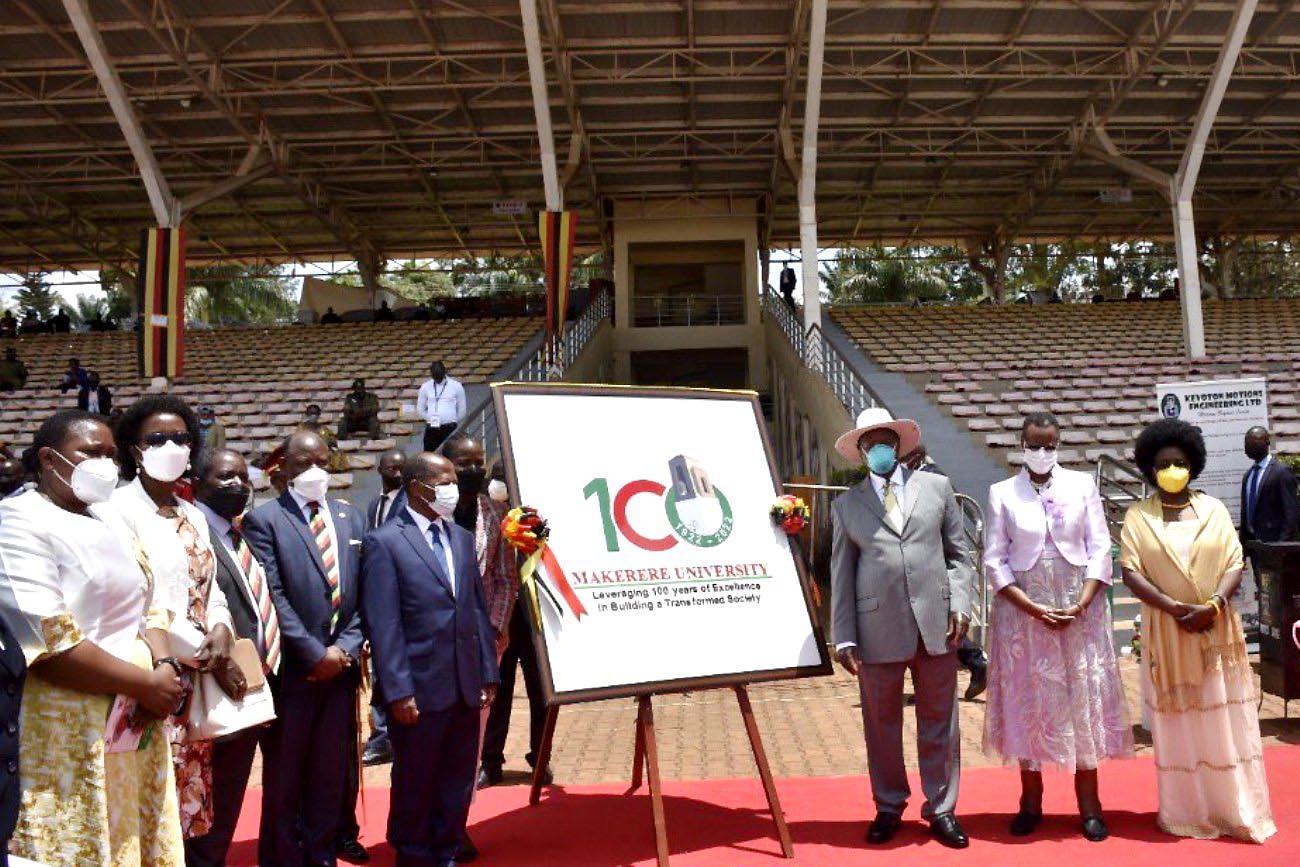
(159, 438)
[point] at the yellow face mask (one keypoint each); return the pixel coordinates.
(1172, 479)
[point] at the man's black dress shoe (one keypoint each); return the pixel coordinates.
(1025, 823)
(377, 754)
(548, 776)
(945, 829)
(353, 852)
(1094, 829)
(467, 852)
(883, 828)
(489, 777)
(979, 681)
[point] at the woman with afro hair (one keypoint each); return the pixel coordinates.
(1181, 556)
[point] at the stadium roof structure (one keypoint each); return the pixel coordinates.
(379, 129)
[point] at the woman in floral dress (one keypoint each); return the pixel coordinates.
(1054, 695)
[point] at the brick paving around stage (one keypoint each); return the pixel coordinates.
(810, 727)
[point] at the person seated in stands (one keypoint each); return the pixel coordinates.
(360, 413)
(384, 313)
(31, 323)
(422, 313)
(13, 373)
(73, 377)
(94, 397)
(312, 422)
(1135, 295)
(1098, 298)
(212, 434)
(330, 317)
(62, 322)
(8, 324)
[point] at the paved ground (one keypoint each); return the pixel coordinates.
(810, 727)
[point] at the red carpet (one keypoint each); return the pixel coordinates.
(725, 822)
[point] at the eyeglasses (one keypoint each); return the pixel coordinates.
(158, 438)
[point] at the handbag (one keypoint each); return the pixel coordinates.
(212, 713)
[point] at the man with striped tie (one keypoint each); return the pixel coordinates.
(223, 493)
(310, 549)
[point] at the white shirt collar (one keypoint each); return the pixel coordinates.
(1264, 461)
(303, 502)
(898, 478)
(424, 523)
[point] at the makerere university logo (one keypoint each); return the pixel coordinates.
(698, 513)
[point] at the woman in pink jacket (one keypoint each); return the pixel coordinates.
(1054, 695)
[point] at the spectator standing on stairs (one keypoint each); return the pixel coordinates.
(969, 654)
(441, 403)
(787, 284)
(1269, 508)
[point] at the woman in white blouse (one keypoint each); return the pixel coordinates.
(1054, 690)
(84, 607)
(154, 438)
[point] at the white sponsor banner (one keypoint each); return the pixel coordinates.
(658, 502)
(1224, 409)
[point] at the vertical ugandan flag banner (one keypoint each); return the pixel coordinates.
(160, 299)
(558, 229)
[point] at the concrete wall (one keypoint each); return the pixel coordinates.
(596, 363)
(802, 399)
(683, 221)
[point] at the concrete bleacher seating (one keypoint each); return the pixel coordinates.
(260, 379)
(1094, 366)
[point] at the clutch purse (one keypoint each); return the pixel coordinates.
(212, 713)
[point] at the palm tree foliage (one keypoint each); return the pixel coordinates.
(228, 294)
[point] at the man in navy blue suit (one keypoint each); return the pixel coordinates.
(310, 548)
(434, 657)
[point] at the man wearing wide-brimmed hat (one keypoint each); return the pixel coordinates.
(901, 587)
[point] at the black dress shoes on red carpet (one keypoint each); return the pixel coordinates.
(883, 828)
(488, 777)
(1094, 829)
(947, 831)
(353, 852)
(1025, 823)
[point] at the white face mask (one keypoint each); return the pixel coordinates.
(93, 480)
(445, 498)
(165, 462)
(311, 484)
(1040, 461)
(497, 491)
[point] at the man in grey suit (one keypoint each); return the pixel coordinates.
(901, 587)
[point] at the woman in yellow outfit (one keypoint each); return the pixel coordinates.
(81, 602)
(1181, 556)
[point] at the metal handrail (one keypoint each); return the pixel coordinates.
(547, 364)
(821, 356)
(1120, 485)
(656, 311)
(973, 526)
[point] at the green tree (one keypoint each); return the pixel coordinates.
(879, 276)
(227, 294)
(37, 295)
(85, 307)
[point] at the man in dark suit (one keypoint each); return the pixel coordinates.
(222, 492)
(435, 661)
(309, 546)
(13, 671)
(1270, 508)
(386, 504)
(94, 397)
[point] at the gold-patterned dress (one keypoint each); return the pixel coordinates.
(67, 578)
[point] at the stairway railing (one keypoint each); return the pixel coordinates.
(544, 365)
(821, 356)
(1120, 485)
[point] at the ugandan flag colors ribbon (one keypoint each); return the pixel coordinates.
(527, 532)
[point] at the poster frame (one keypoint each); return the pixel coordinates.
(500, 390)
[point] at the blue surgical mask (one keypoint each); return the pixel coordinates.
(881, 459)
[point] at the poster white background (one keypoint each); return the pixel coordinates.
(1224, 410)
(561, 442)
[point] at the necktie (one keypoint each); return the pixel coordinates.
(269, 621)
(440, 551)
(890, 502)
(383, 510)
(329, 558)
(1252, 495)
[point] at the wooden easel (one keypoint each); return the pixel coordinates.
(646, 759)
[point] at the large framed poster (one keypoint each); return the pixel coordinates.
(658, 505)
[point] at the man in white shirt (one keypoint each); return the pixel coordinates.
(901, 586)
(441, 403)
